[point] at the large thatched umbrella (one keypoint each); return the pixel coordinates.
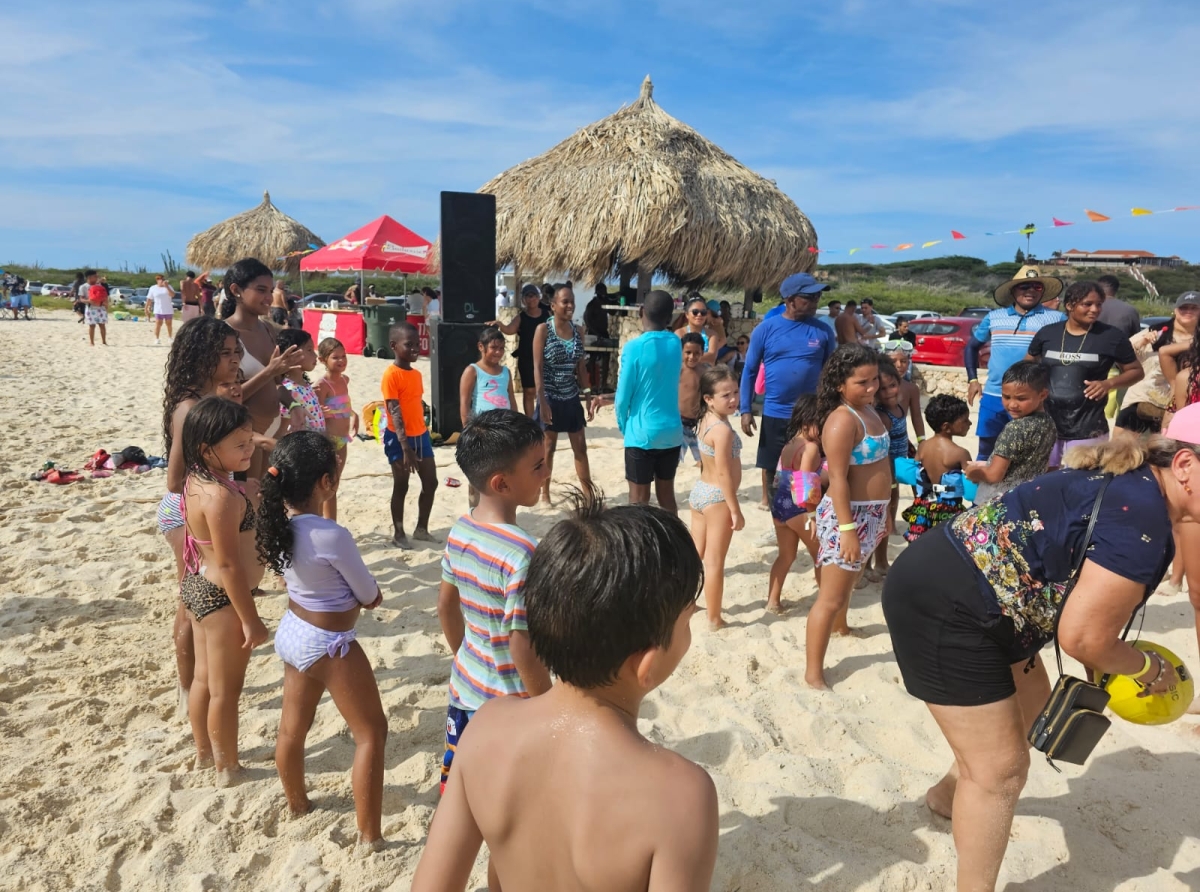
(641, 188)
(264, 232)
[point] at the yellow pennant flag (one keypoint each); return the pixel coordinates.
(1028, 230)
(931, 244)
(1141, 212)
(904, 247)
(852, 250)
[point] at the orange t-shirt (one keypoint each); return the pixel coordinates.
(405, 387)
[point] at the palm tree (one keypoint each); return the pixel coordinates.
(1029, 228)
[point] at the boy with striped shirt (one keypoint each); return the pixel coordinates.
(481, 602)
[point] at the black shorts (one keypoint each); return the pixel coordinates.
(1129, 419)
(644, 466)
(525, 372)
(771, 440)
(950, 649)
(279, 315)
(566, 416)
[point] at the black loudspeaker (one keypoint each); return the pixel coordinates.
(452, 347)
(468, 257)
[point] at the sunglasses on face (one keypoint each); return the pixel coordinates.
(1032, 286)
(698, 312)
(1188, 308)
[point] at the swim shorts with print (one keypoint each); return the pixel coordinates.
(870, 520)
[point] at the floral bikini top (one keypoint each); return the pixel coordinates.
(303, 393)
(710, 451)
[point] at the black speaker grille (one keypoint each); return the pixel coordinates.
(468, 257)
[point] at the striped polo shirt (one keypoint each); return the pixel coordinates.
(1010, 333)
(487, 563)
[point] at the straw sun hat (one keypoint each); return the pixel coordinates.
(1052, 284)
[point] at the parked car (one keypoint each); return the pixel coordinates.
(56, 290)
(34, 287)
(322, 297)
(132, 297)
(942, 341)
(1158, 323)
(911, 316)
(975, 312)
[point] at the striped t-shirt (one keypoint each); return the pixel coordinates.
(1010, 333)
(487, 563)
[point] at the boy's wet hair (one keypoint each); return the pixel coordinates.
(490, 335)
(493, 442)
(1031, 374)
(400, 330)
(608, 583)
(208, 423)
(945, 409)
(692, 338)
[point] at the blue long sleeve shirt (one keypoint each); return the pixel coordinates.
(647, 403)
(794, 352)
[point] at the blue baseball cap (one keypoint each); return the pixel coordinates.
(800, 283)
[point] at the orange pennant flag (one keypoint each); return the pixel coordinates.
(1097, 218)
(904, 247)
(957, 234)
(1140, 212)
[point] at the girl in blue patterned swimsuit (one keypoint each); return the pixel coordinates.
(716, 515)
(797, 492)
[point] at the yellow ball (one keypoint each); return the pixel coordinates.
(1155, 709)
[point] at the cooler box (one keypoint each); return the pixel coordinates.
(378, 320)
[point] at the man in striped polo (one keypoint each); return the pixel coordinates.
(1010, 330)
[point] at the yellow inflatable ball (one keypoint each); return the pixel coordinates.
(1154, 709)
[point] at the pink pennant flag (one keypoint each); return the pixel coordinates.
(957, 234)
(812, 250)
(1058, 222)
(1190, 207)
(879, 247)
(904, 247)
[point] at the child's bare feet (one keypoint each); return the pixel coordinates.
(401, 541)
(716, 625)
(229, 777)
(366, 846)
(816, 682)
(423, 535)
(940, 797)
(301, 808)
(848, 632)
(200, 763)
(776, 607)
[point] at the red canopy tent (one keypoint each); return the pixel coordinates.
(382, 245)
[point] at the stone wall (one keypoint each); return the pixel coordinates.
(935, 379)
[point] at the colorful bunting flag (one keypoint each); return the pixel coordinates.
(1028, 230)
(931, 244)
(1190, 207)
(812, 250)
(1097, 217)
(1140, 212)
(957, 234)
(878, 247)
(1058, 222)
(854, 250)
(904, 247)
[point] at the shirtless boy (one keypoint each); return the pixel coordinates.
(689, 393)
(563, 789)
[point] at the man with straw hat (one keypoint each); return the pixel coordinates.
(1010, 330)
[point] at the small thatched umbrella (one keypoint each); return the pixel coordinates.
(641, 188)
(264, 232)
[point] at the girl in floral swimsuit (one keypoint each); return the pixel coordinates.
(341, 423)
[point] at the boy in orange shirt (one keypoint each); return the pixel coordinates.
(406, 442)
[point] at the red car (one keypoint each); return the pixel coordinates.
(942, 341)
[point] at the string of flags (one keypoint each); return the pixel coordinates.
(291, 254)
(955, 235)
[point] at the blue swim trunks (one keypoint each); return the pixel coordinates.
(456, 722)
(421, 445)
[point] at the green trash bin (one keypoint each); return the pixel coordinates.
(379, 319)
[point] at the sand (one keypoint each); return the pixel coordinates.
(816, 789)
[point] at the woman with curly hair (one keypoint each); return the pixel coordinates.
(852, 518)
(249, 285)
(205, 353)
(328, 585)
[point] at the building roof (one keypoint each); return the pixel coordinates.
(1108, 253)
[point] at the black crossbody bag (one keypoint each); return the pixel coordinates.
(1073, 721)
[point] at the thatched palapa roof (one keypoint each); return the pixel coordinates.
(642, 187)
(264, 232)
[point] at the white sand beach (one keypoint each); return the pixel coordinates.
(817, 790)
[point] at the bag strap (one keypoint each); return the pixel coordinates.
(1075, 570)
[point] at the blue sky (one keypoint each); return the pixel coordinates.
(130, 126)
